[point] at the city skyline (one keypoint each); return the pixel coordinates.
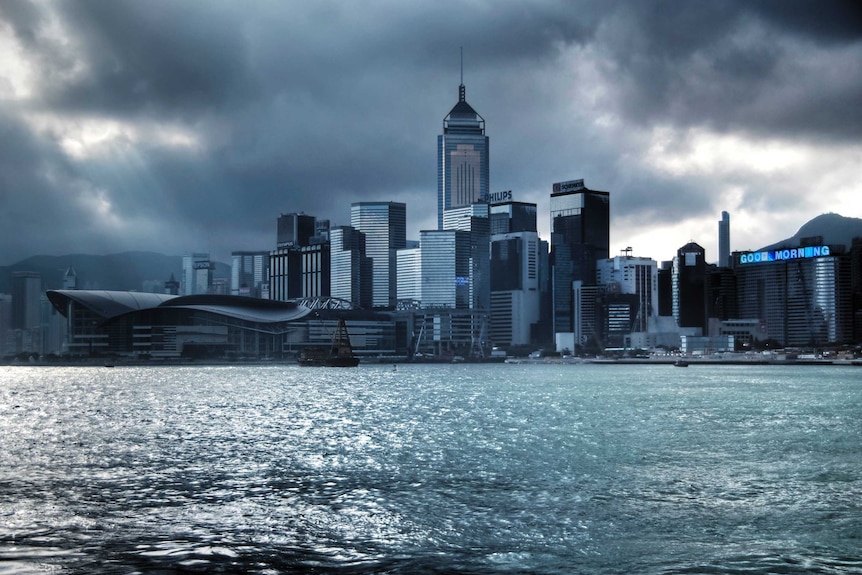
(189, 128)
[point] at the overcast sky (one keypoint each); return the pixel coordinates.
(190, 126)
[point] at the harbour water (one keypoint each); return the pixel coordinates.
(431, 469)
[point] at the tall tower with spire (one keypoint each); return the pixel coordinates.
(462, 157)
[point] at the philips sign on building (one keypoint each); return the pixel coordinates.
(500, 197)
(784, 255)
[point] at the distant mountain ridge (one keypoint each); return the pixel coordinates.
(128, 271)
(125, 271)
(835, 229)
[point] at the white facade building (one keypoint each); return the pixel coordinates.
(197, 274)
(385, 227)
(632, 275)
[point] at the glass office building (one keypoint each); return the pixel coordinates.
(249, 271)
(515, 294)
(384, 225)
(445, 256)
(197, 275)
(724, 240)
(580, 236)
(350, 268)
(462, 158)
(801, 299)
(474, 219)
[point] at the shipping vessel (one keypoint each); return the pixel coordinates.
(339, 354)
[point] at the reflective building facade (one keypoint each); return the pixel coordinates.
(801, 299)
(724, 240)
(580, 236)
(445, 264)
(248, 273)
(384, 225)
(350, 268)
(515, 269)
(474, 219)
(294, 230)
(689, 287)
(462, 158)
(197, 274)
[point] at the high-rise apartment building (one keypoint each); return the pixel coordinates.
(580, 236)
(384, 225)
(724, 240)
(462, 158)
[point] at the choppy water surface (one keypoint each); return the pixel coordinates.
(445, 469)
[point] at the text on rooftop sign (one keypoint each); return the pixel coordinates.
(783, 255)
(568, 186)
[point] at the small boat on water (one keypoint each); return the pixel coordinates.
(681, 363)
(339, 354)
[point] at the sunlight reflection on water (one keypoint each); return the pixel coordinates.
(269, 469)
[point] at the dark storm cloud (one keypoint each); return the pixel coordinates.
(758, 66)
(836, 21)
(311, 106)
(37, 190)
(161, 57)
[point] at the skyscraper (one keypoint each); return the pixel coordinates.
(689, 286)
(384, 225)
(197, 274)
(724, 240)
(800, 296)
(515, 295)
(462, 158)
(445, 268)
(580, 236)
(474, 219)
(249, 271)
(633, 275)
(26, 293)
(350, 268)
(26, 310)
(294, 230)
(299, 266)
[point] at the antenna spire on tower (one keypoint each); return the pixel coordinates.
(462, 92)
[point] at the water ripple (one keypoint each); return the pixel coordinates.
(430, 469)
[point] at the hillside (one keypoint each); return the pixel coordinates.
(124, 271)
(833, 228)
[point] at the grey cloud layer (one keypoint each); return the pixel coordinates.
(310, 106)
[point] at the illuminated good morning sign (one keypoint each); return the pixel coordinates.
(783, 255)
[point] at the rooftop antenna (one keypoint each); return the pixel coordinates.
(462, 92)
